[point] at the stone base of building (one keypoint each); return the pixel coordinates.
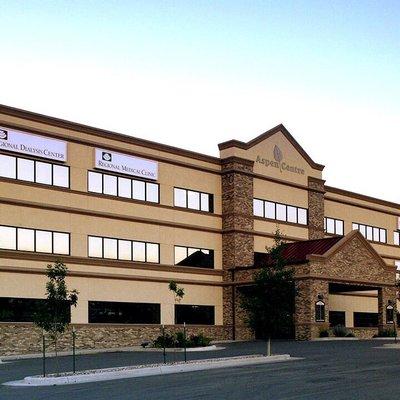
(309, 331)
(25, 338)
(244, 333)
(363, 333)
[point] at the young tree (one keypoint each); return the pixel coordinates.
(54, 316)
(269, 303)
(178, 292)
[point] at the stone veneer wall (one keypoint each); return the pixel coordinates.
(25, 338)
(307, 292)
(363, 333)
(237, 237)
(316, 208)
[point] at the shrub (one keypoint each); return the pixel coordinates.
(350, 334)
(166, 340)
(340, 331)
(324, 333)
(387, 333)
(178, 340)
(199, 340)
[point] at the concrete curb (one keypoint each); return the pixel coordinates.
(142, 371)
(110, 350)
(334, 339)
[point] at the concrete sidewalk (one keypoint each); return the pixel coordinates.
(146, 370)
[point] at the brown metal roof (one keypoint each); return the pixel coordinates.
(297, 252)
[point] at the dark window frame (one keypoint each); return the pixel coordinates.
(178, 318)
(286, 212)
(125, 240)
(210, 200)
(35, 160)
(117, 187)
(121, 306)
(360, 318)
(334, 220)
(320, 311)
(34, 240)
(39, 304)
(372, 227)
(187, 255)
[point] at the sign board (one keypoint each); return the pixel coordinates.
(124, 164)
(33, 145)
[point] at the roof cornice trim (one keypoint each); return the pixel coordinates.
(358, 196)
(90, 130)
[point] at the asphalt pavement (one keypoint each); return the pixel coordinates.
(329, 370)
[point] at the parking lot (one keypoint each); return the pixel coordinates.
(328, 370)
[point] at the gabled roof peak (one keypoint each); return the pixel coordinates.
(279, 128)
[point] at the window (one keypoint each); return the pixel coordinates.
(334, 226)
(194, 257)
(8, 238)
(396, 238)
(23, 310)
(109, 312)
(258, 208)
(194, 315)
(25, 169)
(123, 187)
(8, 166)
(373, 233)
(110, 185)
(43, 172)
(280, 212)
(194, 200)
(122, 249)
(41, 241)
(319, 311)
(337, 318)
(389, 314)
(365, 320)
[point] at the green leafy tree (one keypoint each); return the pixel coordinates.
(269, 303)
(54, 316)
(178, 292)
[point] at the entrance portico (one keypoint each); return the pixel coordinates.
(327, 269)
(351, 262)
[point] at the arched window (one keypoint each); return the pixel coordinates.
(319, 311)
(389, 314)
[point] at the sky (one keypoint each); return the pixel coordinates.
(193, 74)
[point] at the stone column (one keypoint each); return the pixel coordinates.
(385, 294)
(316, 208)
(308, 292)
(237, 237)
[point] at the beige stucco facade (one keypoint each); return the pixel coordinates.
(277, 170)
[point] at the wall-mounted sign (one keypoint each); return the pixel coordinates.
(34, 145)
(124, 164)
(279, 163)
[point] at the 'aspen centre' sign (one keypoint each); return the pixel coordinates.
(33, 145)
(279, 163)
(124, 164)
